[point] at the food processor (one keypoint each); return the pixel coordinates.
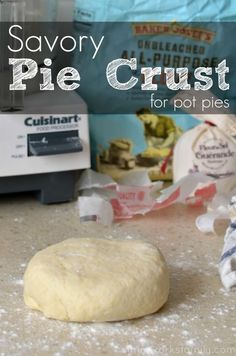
(44, 140)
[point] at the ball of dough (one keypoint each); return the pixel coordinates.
(89, 279)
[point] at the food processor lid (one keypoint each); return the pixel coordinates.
(15, 12)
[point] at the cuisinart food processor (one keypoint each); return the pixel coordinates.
(40, 151)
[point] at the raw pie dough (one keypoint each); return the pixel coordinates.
(89, 279)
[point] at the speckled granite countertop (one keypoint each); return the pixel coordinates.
(199, 318)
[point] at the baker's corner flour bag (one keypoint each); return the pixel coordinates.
(135, 135)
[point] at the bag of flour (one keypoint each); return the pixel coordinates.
(123, 141)
(206, 149)
(210, 148)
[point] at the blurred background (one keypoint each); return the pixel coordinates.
(65, 12)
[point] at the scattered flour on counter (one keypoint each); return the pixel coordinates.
(19, 282)
(225, 292)
(185, 306)
(139, 337)
(140, 344)
(190, 342)
(143, 341)
(149, 351)
(67, 345)
(220, 310)
(172, 319)
(130, 348)
(18, 220)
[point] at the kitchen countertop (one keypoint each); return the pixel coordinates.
(199, 318)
